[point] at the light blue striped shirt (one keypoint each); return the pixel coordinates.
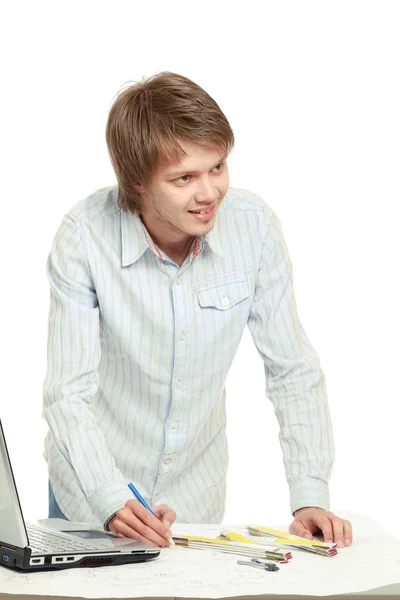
(139, 350)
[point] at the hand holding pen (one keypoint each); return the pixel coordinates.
(145, 524)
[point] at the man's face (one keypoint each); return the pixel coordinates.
(181, 190)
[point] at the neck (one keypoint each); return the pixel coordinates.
(177, 251)
(176, 247)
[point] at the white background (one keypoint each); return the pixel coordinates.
(311, 90)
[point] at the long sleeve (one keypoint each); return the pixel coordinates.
(295, 382)
(72, 375)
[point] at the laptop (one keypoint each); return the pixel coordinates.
(56, 544)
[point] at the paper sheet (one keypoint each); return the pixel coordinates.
(373, 561)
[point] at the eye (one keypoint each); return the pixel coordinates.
(183, 179)
(219, 167)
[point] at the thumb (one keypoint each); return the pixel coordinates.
(165, 518)
(300, 530)
(166, 515)
(305, 533)
(166, 522)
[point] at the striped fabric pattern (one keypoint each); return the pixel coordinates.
(139, 350)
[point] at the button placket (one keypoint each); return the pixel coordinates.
(181, 301)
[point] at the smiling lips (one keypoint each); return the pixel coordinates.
(202, 211)
(203, 215)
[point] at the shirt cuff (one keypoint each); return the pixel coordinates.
(109, 499)
(307, 491)
(107, 523)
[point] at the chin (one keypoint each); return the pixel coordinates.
(201, 228)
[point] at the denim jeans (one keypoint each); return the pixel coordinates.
(54, 509)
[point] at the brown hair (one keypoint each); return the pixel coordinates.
(146, 122)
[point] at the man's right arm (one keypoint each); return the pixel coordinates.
(71, 383)
(73, 355)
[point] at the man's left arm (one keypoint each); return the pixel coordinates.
(295, 384)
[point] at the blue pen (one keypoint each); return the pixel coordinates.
(139, 497)
(144, 503)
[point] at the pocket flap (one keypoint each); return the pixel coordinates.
(224, 296)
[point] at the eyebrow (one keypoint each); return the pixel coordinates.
(176, 174)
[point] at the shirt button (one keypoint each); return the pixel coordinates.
(179, 383)
(225, 301)
(181, 335)
(178, 281)
(174, 424)
(167, 461)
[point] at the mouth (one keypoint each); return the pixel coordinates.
(203, 215)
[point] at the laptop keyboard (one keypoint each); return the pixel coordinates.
(43, 541)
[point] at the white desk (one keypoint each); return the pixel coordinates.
(389, 592)
(372, 564)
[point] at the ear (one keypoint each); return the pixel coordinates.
(139, 188)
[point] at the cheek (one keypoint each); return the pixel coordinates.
(224, 183)
(179, 203)
(173, 208)
(169, 204)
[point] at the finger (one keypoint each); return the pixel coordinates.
(167, 517)
(300, 529)
(131, 526)
(165, 513)
(127, 531)
(326, 526)
(148, 520)
(139, 523)
(116, 525)
(348, 533)
(114, 531)
(338, 533)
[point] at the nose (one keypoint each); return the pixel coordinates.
(206, 192)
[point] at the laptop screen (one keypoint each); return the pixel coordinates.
(12, 526)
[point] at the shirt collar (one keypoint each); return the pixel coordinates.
(216, 237)
(135, 239)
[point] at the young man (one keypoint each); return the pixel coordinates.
(152, 284)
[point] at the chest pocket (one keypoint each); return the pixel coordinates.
(224, 296)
